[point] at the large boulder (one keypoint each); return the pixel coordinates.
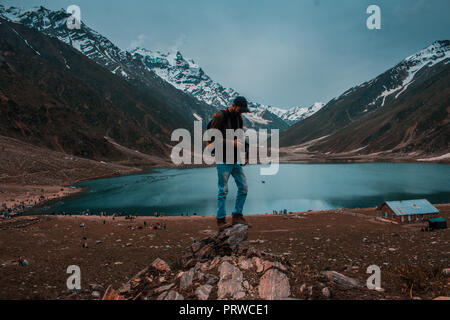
(230, 283)
(274, 285)
(232, 240)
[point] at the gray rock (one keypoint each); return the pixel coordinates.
(326, 293)
(342, 279)
(160, 265)
(230, 283)
(228, 271)
(239, 295)
(274, 285)
(230, 241)
(186, 279)
(126, 287)
(302, 287)
(96, 294)
(203, 292)
(244, 263)
(173, 295)
(164, 288)
(211, 279)
(95, 287)
(162, 296)
(200, 276)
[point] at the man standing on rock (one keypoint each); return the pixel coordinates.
(230, 118)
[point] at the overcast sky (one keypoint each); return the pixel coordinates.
(280, 52)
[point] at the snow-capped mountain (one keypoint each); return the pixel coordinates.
(404, 109)
(393, 83)
(296, 114)
(139, 64)
(188, 76)
(404, 74)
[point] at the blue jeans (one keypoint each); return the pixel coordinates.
(223, 172)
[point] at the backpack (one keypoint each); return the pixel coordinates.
(227, 115)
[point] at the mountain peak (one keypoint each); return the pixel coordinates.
(181, 72)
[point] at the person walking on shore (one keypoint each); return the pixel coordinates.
(230, 118)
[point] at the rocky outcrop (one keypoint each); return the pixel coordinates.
(219, 267)
(231, 241)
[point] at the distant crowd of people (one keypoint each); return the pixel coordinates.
(8, 213)
(282, 211)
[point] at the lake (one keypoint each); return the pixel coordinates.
(296, 187)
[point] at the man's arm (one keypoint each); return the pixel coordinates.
(218, 123)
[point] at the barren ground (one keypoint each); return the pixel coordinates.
(411, 261)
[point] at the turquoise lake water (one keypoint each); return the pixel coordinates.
(296, 187)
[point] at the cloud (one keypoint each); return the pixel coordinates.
(138, 42)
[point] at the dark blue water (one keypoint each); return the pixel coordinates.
(296, 187)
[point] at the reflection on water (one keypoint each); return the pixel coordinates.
(296, 187)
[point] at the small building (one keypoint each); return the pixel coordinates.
(405, 211)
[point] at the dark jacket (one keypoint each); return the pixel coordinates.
(223, 120)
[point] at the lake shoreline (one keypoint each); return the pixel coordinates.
(43, 196)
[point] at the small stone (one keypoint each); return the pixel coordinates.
(96, 294)
(302, 288)
(173, 295)
(446, 272)
(326, 293)
(214, 263)
(161, 265)
(342, 279)
(111, 294)
(258, 263)
(95, 287)
(199, 276)
(239, 295)
(162, 296)
(126, 288)
(203, 292)
(244, 263)
(164, 288)
(186, 279)
(211, 279)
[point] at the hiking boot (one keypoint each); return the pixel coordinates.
(238, 218)
(222, 224)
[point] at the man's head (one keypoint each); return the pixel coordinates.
(240, 105)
